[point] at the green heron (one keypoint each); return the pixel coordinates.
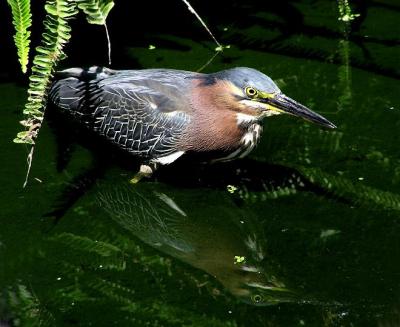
(159, 115)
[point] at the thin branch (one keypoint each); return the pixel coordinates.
(29, 161)
(191, 9)
(209, 61)
(108, 43)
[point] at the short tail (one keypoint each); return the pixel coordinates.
(73, 88)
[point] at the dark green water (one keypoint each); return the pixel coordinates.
(304, 232)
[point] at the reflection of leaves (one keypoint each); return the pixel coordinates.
(344, 76)
(114, 291)
(332, 142)
(129, 293)
(310, 145)
(297, 37)
(109, 256)
(346, 15)
(26, 309)
(149, 310)
(270, 193)
(316, 148)
(358, 193)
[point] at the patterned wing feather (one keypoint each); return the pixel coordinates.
(137, 116)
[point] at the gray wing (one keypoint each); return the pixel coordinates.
(141, 117)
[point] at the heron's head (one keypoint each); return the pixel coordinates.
(254, 94)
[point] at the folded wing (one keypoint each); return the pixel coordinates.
(134, 111)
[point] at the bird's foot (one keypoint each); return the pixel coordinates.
(144, 171)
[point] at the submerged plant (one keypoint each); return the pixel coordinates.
(346, 15)
(25, 308)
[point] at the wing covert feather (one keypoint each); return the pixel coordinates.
(138, 114)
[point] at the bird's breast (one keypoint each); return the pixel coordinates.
(248, 142)
(251, 138)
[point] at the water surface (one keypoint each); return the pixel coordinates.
(304, 232)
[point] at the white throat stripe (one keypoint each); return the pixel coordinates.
(245, 119)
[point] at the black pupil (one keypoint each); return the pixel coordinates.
(251, 91)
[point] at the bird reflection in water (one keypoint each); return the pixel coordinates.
(217, 238)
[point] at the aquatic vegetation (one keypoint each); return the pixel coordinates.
(24, 308)
(346, 14)
(355, 192)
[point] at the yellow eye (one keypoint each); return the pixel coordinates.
(251, 92)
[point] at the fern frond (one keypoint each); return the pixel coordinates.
(56, 34)
(103, 254)
(83, 243)
(115, 291)
(360, 194)
(96, 10)
(26, 309)
(22, 20)
(96, 13)
(270, 193)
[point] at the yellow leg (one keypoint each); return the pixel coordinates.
(144, 171)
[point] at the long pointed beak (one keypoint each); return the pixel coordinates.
(290, 106)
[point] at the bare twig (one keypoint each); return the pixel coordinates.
(29, 161)
(191, 9)
(209, 61)
(108, 44)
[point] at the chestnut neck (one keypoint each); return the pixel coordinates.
(214, 125)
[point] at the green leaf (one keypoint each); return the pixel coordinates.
(22, 20)
(96, 10)
(24, 137)
(56, 34)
